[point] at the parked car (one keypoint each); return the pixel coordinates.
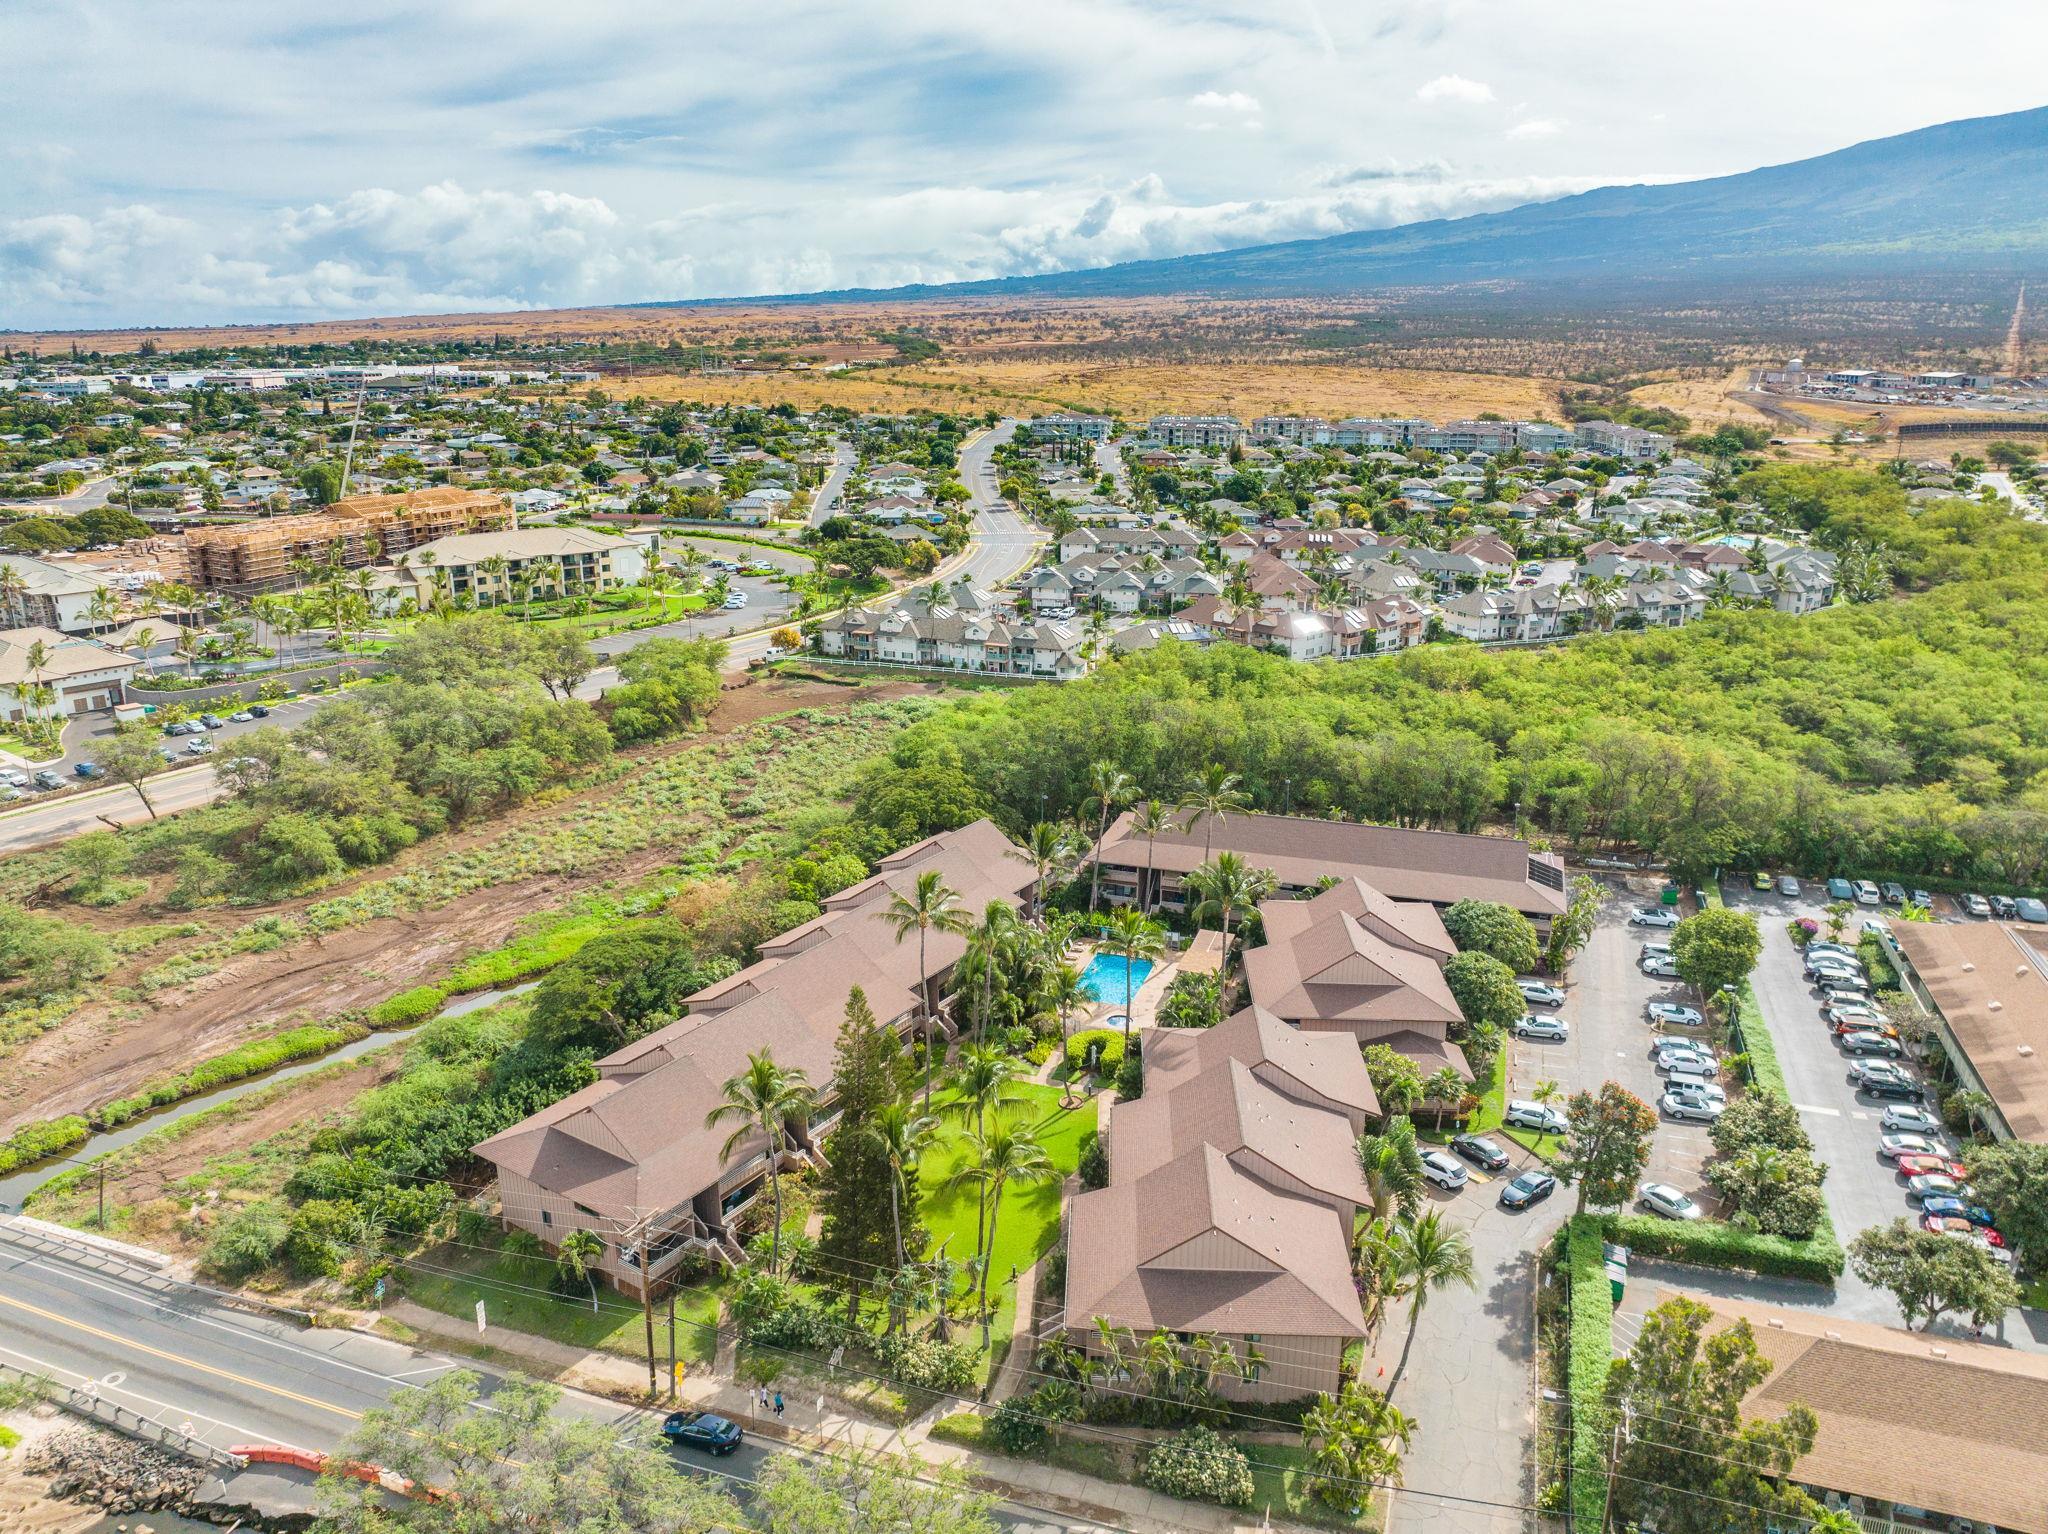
(1891, 1087)
(1836, 1011)
(702, 1430)
(1956, 1209)
(1899, 1119)
(2031, 909)
(1661, 966)
(1842, 988)
(1932, 1164)
(1676, 1016)
(1525, 1114)
(1693, 1084)
(1789, 886)
(1480, 1151)
(1542, 1028)
(211, 721)
(1662, 1198)
(1868, 1041)
(1897, 1147)
(1538, 994)
(1690, 1105)
(1680, 1063)
(1893, 892)
(1760, 881)
(1937, 1185)
(1922, 899)
(1652, 916)
(175, 729)
(1976, 905)
(259, 710)
(14, 777)
(48, 779)
(1863, 1024)
(200, 747)
(2004, 908)
(1841, 889)
(1956, 1225)
(1530, 1188)
(1824, 964)
(1866, 893)
(240, 716)
(88, 770)
(1443, 1169)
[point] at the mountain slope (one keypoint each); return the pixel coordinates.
(1968, 195)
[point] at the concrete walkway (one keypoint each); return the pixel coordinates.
(812, 1421)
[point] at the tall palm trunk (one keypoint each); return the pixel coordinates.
(775, 1189)
(925, 995)
(995, 1210)
(1401, 1365)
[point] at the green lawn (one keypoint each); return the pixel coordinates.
(1030, 1216)
(516, 1294)
(1280, 1481)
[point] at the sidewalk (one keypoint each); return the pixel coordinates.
(811, 1423)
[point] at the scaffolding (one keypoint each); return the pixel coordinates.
(359, 530)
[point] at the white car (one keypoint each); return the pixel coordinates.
(1690, 1105)
(1662, 1198)
(1891, 1147)
(199, 747)
(1671, 1012)
(1653, 916)
(1661, 966)
(14, 778)
(1538, 994)
(1684, 1063)
(1548, 1030)
(1903, 1118)
(1444, 1169)
(1525, 1114)
(1872, 927)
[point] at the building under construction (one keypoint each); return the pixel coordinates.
(360, 530)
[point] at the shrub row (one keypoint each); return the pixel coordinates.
(1591, 1352)
(524, 957)
(237, 1064)
(1716, 1244)
(413, 1006)
(46, 1137)
(1112, 1056)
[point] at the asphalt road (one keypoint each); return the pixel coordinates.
(827, 500)
(1001, 545)
(180, 1355)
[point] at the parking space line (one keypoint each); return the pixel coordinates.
(1833, 1113)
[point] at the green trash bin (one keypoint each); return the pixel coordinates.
(1670, 895)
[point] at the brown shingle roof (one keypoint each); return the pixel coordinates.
(1933, 1422)
(1310, 1067)
(1986, 980)
(1436, 866)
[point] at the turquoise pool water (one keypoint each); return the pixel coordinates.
(1113, 978)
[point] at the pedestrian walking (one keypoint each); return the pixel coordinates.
(778, 1406)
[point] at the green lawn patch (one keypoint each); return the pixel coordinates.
(531, 953)
(516, 1295)
(1280, 1476)
(1030, 1216)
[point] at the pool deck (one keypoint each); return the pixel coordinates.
(1144, 1001)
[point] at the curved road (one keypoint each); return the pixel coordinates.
(1001, 544)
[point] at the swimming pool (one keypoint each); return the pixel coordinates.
(1113, 978)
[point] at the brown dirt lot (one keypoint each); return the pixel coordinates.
(108, 1049)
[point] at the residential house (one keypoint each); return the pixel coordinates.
(955, 639)
(83, 675)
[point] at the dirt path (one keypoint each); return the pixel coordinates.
(109, 1048)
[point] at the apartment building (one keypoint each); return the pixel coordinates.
(1302, 430)
(493, 568)
(629, 1158)
(37, 594)
(955, 639)
(1067, 425)
(83, 675)
(1628, 442)
(359, 530)
(1196, 430)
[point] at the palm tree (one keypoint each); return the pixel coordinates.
(1446, 1088)
(987, 1081)
(1215, 794)
(901, 1136)
(1428, 1255)
(1228, 885)
(1062, 991)
(1046, 847)
(1006, 1154)
(987, 945)
(931, 906)
(1109, 788)
(577, 1259)
(1372, 1271)
(1393, 1168)
(762, 1099)
(13, 587)
(1351, 1442)
(1136, 936)
(1149, 819)
(104, 606)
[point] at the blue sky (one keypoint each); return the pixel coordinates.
(191, 164)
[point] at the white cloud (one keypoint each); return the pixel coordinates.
(1455, 88)
(1537, 127)
(1225, 101)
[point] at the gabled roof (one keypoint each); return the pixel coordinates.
(1129, 1260)
(1310, 1067)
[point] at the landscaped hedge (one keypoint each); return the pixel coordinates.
(1592, 1351)
(237, 1064)
(1716, 1244)
(413, 1006)
(1112, 1042)
(46, 1137)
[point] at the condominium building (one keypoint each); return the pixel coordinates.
(40, 594)
(1066, 425)
(358, 530)
(491, 568)
(1630, 442)
(1196, 430)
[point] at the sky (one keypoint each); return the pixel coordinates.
(235, 161)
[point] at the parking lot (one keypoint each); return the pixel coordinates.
(1606, 994)
(1863, 1190)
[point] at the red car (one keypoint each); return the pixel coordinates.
(1851, 1023)
(1915, 1166)
(1952, 1225)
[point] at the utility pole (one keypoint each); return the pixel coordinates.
(103, 1193)
(640, 1235)
(671, 1342)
